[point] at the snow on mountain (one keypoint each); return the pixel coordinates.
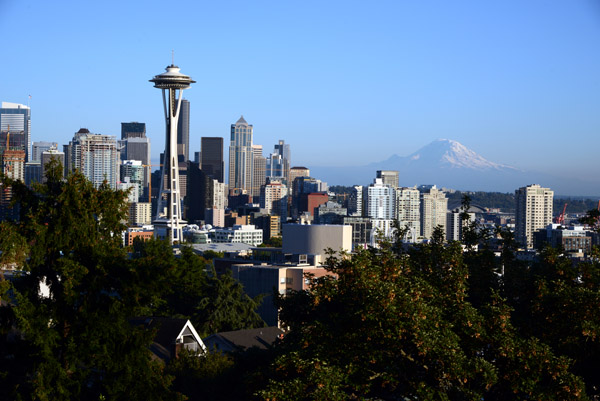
(447, 153)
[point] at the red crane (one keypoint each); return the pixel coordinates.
(561, 217)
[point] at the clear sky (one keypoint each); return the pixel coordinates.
(343, 82)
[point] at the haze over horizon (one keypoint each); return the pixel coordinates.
(517, 82)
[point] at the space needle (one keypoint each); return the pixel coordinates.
(169, 222)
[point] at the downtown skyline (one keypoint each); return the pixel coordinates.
(515, 82)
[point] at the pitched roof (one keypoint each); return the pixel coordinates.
(241, 121)
(261, 338)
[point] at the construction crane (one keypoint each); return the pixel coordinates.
(150, 179)
(561, 217)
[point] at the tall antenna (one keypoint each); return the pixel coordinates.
(172, 57)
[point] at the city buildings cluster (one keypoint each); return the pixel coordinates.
(192, 200)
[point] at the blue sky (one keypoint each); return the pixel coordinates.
(344, 82)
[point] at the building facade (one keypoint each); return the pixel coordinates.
(381, 201)
(18, 118)
(211, 157)
(533, 211)
(389, 177)
(241, 156)
(95, 155)
(433, 208)
(408, 213)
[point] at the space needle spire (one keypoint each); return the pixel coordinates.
(168, 223)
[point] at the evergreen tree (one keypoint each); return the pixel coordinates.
(75, 342)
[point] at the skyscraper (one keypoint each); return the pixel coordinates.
(408, 211)
(241, 156)
(135, 145)
(381, 201)
(433, 208)
(169, 220)
(278, 163)
(18, 117)
(533, 211)
(95, 155)
(183, 132)
(259, 179)
(211, 157)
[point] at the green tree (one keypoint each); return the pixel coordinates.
(394, 326)
(76, 341)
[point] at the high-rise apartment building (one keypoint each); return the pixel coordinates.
(455, 224)
(258, 172)
(95, 155)
(355, 201)
(433, 208)
(241, 156)
(389, 177)
(18, 118)
(211, 157)
(278, 163)
(273, 198)
(533, 212)
(408, 202)
(381, 201)
(183, 132)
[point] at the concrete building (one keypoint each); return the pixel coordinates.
(381, 201)
(39, 147)
(296, 172)
(49, 155)
(258, 172)
(355, 201)
(330, 213)
(12, 163)
(241, 156)
(245, 234)
(455, 224)
(263, 279)
(132, 171)
(570, 239)
(433, 208)
(408, 213)
(274, 199)
(140, 213)
(95, 155)
(389, 177)
(211, 157)
(315, 239)
(533, 211)
(18, 118)
(361, 230)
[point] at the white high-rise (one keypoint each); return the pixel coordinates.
(95, 155)
(434, 206)
(408, 211)
(533, 212)
(381, 201)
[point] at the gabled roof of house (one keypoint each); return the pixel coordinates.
(168, 331)
(261, 338)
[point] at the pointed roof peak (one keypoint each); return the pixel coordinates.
(241, 120)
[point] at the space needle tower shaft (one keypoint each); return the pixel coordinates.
(168, 223)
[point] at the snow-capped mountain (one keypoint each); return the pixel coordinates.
(453, 154)
(448, 163)
(446, 153)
